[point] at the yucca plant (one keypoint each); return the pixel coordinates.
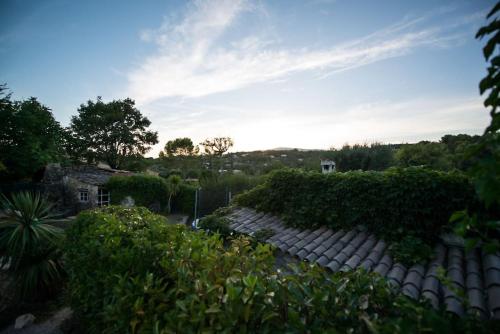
(29, 244)
(174, 186)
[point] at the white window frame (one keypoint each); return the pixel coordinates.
(103, 197)
(83, 195)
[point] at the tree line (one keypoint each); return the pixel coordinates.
(449, 153)
(115, 133)
(118, 134)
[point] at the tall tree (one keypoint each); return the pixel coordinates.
(180, 147)
(217, 147)
(109, 132)
(30, 137)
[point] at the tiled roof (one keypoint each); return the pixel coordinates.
(89, 174)
(475, 274)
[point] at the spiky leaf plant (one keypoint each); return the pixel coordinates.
(29, 244)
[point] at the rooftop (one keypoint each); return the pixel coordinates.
(475, 273)
(90, 174)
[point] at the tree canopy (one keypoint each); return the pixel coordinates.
(217, 146)
(30, 137)
(109, 132)
(424, 153)
(364, 157)
(180, 147)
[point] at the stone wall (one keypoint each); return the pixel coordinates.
(73, 187)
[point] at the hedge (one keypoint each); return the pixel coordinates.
(151, 192)
(129, 272)
(146, 190)
(183, 202)
(391, 203)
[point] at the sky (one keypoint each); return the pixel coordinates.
(309, 74)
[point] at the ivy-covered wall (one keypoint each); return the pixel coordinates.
(392, 203)
(151, 192)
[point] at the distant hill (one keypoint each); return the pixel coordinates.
(293, 149)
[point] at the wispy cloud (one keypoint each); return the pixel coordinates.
(191, 63)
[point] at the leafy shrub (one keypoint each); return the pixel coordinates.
(132, 273)
(146, 190)
(224, 211)
(478, 227)
(236, 183)
(410, 250)
(263, 234)
(29, 245)
(215, 224)
(390, 203)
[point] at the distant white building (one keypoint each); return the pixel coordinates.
(327, 166)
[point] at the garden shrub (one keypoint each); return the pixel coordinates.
(215, 224)
(129, 272)
(390, 203)
(410, 250)
(263, 234)
(146, 190)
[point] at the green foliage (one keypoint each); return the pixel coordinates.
(174, 185)
(180, 147)
(146, 190)
(30, 137)
(183, 202)
(429, 154)
(486, 173)
(457, 149)
(263, 234)
(224, 211)
(390, 204)
(29, 245)
(153, 192)
(112, 132)
(236, 183)
(410, 250)
(490, 83)
(215, 224)
(364, 157)
(478, 229)
(152, 277)
(476, 226)
(217, 146)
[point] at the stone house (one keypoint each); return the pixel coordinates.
(76, 188)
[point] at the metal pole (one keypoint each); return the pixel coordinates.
(196, 204)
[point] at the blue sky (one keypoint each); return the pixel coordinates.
(309, 74)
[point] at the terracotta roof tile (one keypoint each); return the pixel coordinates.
(302, 254)
(323, 261)
(397, 273)
(476, 274)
